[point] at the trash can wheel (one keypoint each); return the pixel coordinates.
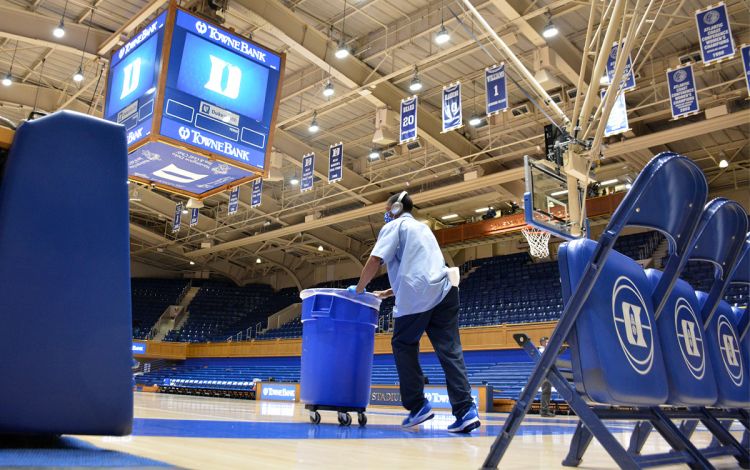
(345, 419)
(315, 417)
(362, 418)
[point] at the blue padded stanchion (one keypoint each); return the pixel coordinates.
(667, 196)
(65, 279)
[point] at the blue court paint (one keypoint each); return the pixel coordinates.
(268, 430)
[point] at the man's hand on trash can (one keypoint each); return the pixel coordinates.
(355, 290)
(384, 294)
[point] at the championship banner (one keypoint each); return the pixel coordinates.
(408, 127)
(683, 97)
(496, 89)
(177, 217)
(194, 217)
(234, 200)
(714, 33)
(308, 163)
(452, 114)
(628, 81)
(745, 52)
(335, 160)
(618, 118)
(255, 198)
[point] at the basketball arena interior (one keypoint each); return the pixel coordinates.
(222, 225)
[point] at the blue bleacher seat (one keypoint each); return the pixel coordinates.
(65, 279)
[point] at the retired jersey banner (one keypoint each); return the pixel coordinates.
(683, 97)
(408, 126)
(308, 163)
(745, 51)
(452, 115)
(618, 117)
(255, 198)
(715, 34)
(497, 91)
(194, 217)
(177, 217)
(628, 78)
(335, 160)
(234, 200)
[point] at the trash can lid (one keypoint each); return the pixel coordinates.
(367, 299)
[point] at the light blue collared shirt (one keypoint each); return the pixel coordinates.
(416, 268)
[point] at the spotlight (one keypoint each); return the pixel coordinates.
(443, 35)
(78, 76)
(550, 30)
(294, 181)
(342, 52)
(314, 127)
(258, 260)
(192, 263)
(723, 163)
(416, 83)
(7, 79)
(59, 31)
(320, 248)
(475, 120)
(374, 154)
(328, 89)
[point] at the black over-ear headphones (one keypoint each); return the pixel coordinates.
(397, 206)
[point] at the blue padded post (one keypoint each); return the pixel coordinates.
(65, 279)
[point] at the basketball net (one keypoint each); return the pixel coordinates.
(538, 241)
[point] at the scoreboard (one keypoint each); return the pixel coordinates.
(199, 104)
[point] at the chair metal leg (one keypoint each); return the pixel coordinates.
(639, 437)
(581, 440)
(677, 440)
(723, 435)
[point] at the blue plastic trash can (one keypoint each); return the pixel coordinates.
(338, 342)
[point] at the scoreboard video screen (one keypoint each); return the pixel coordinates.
(133, 79)
(220, 92)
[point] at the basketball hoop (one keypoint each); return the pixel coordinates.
(538, 241)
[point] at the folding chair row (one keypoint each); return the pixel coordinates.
(613, 323)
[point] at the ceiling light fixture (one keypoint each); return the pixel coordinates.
(320, 248)
(314, 127)
(59, 31)
(481, 209)
(475, 120)
(328, 89)
(723, 163)
(559, 193)
(78, 76)
(258, 261)
(442, 35)
(449, 216)
(374, 154)
(8, 78)
(610, 182)
(192, 263)
(550, 30)
(294, 181)
(342, 51)
(416, 83)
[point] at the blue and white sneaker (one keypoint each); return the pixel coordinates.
(466, 423)
(420, 416)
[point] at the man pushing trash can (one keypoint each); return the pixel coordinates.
(426, 301)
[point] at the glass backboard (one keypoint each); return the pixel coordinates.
(546, 203)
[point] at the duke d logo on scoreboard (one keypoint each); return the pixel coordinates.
(633, 325)
(216, 80)
(132, 77)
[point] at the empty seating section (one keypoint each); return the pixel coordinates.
(502, 289)
(506, 371)
(510, 289)
(220, 310)
(150, 298)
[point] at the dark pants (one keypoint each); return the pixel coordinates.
(546, 396)
(441, 326)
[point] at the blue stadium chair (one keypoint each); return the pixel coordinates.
(692, 355)
(607, 305)
(65, 279)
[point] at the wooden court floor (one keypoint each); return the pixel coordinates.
(212, 433)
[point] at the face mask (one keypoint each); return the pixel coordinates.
(388, 217)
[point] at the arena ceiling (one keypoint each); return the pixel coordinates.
(388, 38)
